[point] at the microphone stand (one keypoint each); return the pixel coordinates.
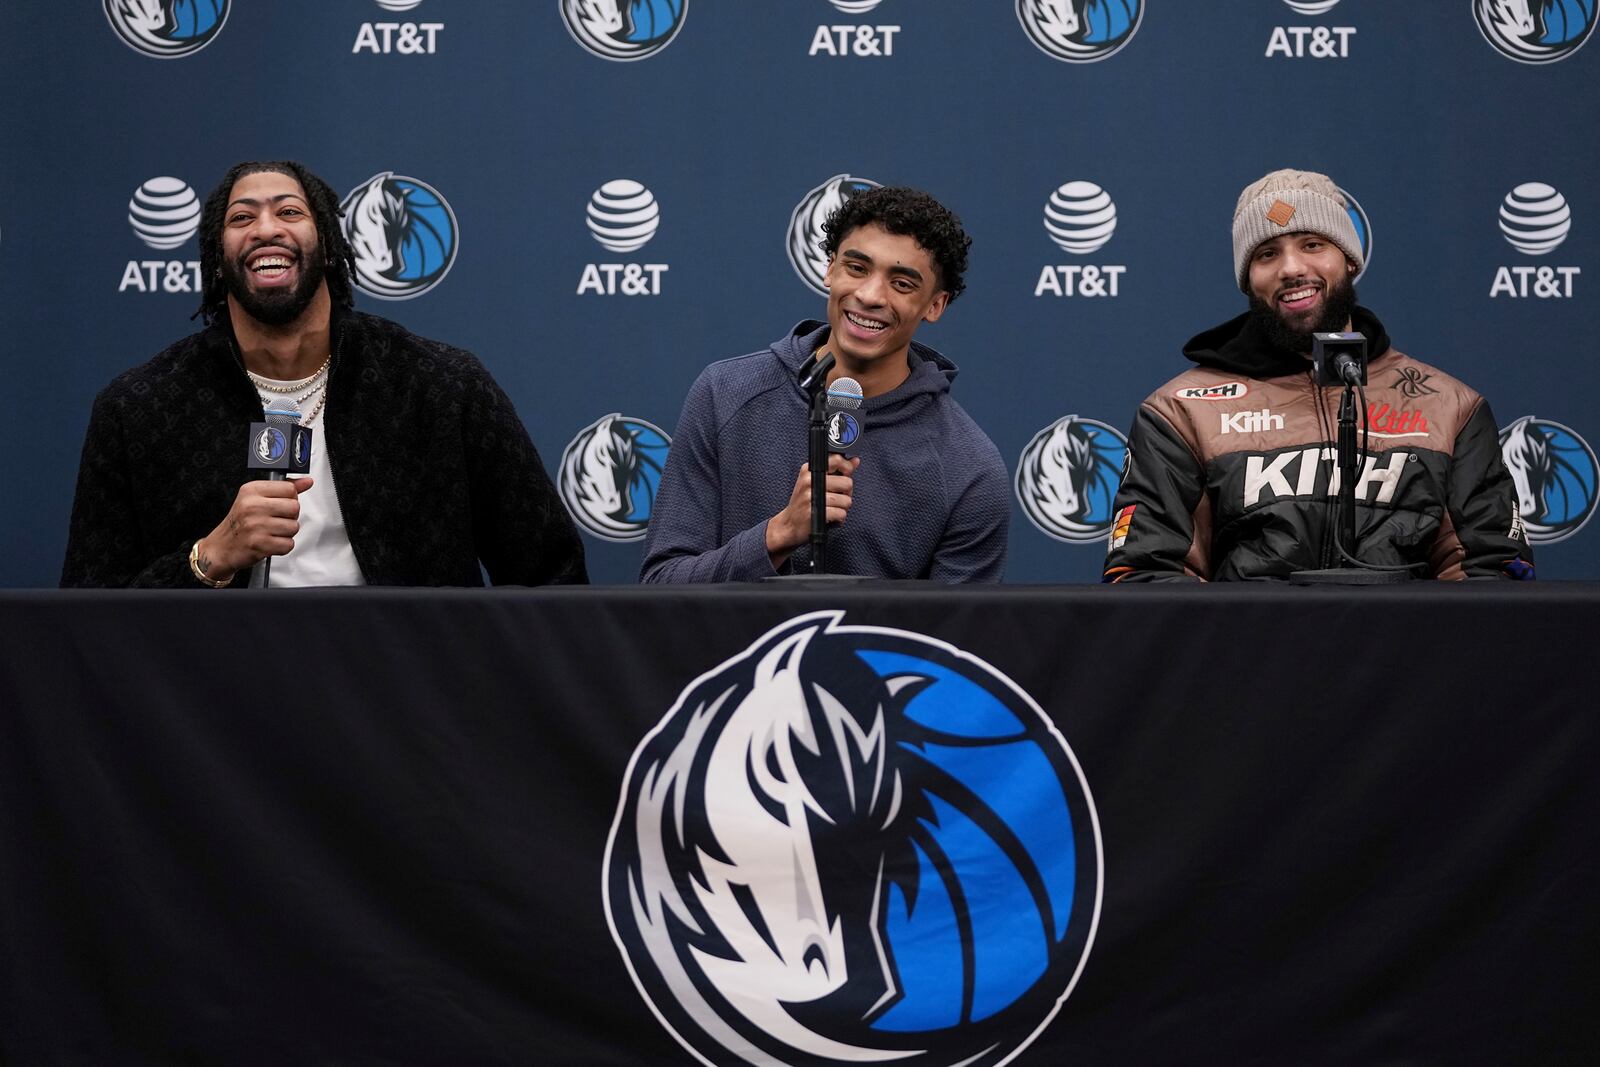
(1342, 572)
(814, 382)
(1346, 460)
(815, 385)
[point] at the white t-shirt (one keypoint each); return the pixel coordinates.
(322, 554)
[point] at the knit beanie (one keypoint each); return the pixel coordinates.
(1290, 201)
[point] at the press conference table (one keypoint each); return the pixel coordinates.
(1339, 826)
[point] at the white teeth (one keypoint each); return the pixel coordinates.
(866, 324)
(271, 263)
(1298, 294)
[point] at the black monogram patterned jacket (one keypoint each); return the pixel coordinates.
(433, 470)
(1231, 471)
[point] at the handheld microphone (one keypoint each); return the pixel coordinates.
(844, 426)
(1339, 358)
(280, 446)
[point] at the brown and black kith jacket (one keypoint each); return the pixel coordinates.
(1231, 471)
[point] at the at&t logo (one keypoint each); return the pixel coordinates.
(891, 856)
(1555, 473)
(403, 233)
(1067, 478)
(164, 214)
(1535, 219)
(609, 475)
(1310, 42)
(167, 29)
(1080, 217)
(1080, 31)
(624, 30)
(805, 227)
(1535, 31)
(851, 40)
(623, 216)
(401, 38)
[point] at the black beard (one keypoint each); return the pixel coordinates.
(1336, 308)
(274, 307)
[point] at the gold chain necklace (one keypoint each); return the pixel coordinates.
(273, 387)
(317, 383)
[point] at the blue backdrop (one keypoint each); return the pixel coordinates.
(701, 126)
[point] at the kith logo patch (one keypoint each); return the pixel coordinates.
(1280, 212)
(1384, 421)
(1312, 472)
(1251, 421)
(1221, 391)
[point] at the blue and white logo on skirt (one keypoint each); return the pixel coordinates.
(403, 233)
(624, 30)
(1535, 31)
(1080, 31)
(167, 29)
(1358, 219)
(854, 844)
(610, 473)
(1067, 478)
(805, 227)
(1555, 473)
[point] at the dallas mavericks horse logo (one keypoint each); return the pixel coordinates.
(624, 30)
(850, 844)
(1535, 31)
(1080, 31)
(805, 227)
(609, 476)
(1067, 478)
(403, 234)
(1358, 218)
(167, 29)
(1555, 473)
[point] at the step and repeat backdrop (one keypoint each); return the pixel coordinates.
(599, 197)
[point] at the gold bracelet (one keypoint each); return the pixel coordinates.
(194, 565)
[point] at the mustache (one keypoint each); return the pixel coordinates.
(288, 250)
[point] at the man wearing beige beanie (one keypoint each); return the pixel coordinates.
(1230, 471)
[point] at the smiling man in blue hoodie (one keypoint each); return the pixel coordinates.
(927, 495)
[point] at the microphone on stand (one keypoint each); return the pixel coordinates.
(832, 426)
(280, 446)
(1339, 358)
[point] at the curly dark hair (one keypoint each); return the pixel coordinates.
(908, 213)
(325, 212)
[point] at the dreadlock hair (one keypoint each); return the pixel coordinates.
(325, 212)
(907, 213)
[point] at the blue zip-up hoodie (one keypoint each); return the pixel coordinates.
(931, 498)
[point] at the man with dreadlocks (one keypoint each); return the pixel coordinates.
(401, 424)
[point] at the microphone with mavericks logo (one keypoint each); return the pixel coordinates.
(282, 447)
